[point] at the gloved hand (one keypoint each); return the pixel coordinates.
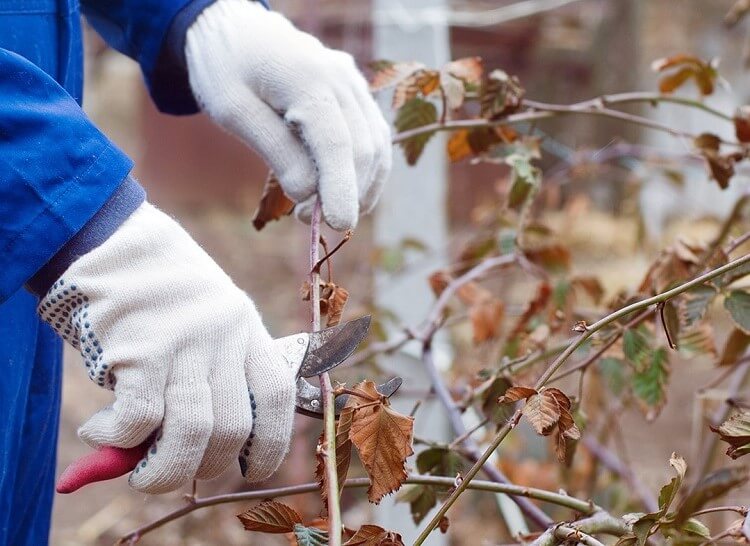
(305, 108)
(161, 324)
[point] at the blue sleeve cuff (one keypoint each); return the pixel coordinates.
(170, 85)
(123, 202)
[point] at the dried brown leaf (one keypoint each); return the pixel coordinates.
(336, 303)
(388, 73)
(439, 280)
(514, 394)
(383, 438)
(542, 412)
(486, 319)
(274, 204)
(373, 535)
(742, 124)
(270, 517)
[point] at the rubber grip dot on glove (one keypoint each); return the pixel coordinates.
(105, 463)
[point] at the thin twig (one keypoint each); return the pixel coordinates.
(560, 499)
(597, 106)
(327, 257)
(743, 510)
(326, 389)
(559, 361)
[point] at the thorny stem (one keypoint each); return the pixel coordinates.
(598, 106)
(560, 499)
(326, 389)
(558, 362)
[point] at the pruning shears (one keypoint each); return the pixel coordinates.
(309, 354)
(319, 352)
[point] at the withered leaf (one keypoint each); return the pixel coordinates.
(383, 438)
(535, 306)
(439, 280)
(444, 524)
(465, 143)
(514, 394)
(388, 73)
(270, 517)
(742, 124)
(486, 319)
(468, 69)
(336, 302)
(459, 76)
(686, 67)
(501, 95)
(736, 432)
(552, 257)
(421, 81)
(543, 412)
(274, 204)
(373, 535)
(735, 346)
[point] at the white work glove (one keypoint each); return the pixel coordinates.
(159, 322)
(305, 108)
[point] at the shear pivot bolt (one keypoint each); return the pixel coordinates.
(314, 403)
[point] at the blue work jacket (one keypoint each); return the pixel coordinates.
(56, 172)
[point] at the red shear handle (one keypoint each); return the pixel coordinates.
(105, 463)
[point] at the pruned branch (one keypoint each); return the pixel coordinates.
(558, 362)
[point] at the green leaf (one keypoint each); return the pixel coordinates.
(711, 487)
(637, 346)
(487, 395)
(412, 115)
(613, 371)
(669, 491)
(738, 305)
(526, 179)
(439, 461)
(642, 529)
(421, 498)
(695, 528)
(734, 348)
(650, 383)
(310, 536)
(694, 304)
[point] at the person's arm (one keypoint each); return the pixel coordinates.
(56, 171)
(302, 106)
(153, 33)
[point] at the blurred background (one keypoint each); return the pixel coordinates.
(614, 217)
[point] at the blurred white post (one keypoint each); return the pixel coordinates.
(413, 205)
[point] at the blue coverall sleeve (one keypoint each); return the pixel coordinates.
(153, 33)
(56, 170)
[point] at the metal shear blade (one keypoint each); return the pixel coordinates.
(319, 352)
